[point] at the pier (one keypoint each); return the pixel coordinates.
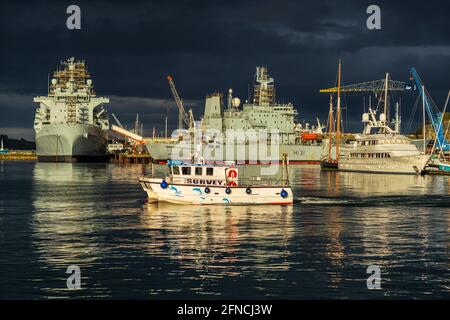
(24, 155)
(143, 158)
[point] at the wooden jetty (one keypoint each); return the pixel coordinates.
(143, 158)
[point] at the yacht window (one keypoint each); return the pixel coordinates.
(209, 171)
(198, 171)
(186, 171)
(176, 170)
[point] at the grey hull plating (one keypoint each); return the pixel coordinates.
(71, 143)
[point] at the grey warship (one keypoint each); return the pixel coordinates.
(302, 144)
(71, 123)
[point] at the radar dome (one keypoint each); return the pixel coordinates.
(382, 117)
(236, 102)
(89, 82)
(365, 117)
(54, 82)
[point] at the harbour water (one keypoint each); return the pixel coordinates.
(95, 216)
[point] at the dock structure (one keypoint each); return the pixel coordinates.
(143, 158)
(24, 155)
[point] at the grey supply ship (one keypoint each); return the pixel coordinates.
(71, 123)
(301, 144)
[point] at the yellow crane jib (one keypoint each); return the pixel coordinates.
(370, 86)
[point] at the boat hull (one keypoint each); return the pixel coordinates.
(197, 194)
(71, 143)
(327, 165)
(396, 165)
(301, 154)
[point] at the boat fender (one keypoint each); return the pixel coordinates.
(248, 191)
(164, 184)
(207, 190)
(284, 193)
(228, 190)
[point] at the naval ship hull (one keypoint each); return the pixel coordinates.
(71, 143)
(297, 154)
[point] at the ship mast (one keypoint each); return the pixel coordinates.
(330, 131)
(338, 116)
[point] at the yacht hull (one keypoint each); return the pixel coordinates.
(396, 165)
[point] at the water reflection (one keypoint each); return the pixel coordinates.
(211, 237)
(96, 216)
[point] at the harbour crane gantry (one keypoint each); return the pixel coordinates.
(435, 115)
(183, 116)
(376, 86)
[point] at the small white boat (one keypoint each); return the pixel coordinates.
(189, 183)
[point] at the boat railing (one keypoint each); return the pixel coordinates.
(248, 182)
(254, 181)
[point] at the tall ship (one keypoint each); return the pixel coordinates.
(270, 121)
(71, 123)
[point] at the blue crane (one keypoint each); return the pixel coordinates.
(435, 117)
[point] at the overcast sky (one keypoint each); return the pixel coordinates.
(130, 47)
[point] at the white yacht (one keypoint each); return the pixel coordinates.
(380, 149)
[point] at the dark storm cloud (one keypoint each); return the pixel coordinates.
(130, 47)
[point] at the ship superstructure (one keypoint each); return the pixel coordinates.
(71, 123)
(261, 114)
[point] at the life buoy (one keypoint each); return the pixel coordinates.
(232, 183)
(284, 193)
(164, 184)
(248, 191)
(207, 190)
(228, 190)
(232, 174)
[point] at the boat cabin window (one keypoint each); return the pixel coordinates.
(175, 170)
(186, 171)
(198, 171)
(209, 171)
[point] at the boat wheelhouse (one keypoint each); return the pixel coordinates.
(199, 183)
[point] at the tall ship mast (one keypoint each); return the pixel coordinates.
(71, 123)
(328, 162)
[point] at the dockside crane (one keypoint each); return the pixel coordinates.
(379, 88)
(376, 87)
(117, 121)
(183, 116)
(435, 116)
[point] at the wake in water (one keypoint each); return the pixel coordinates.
(377, 201)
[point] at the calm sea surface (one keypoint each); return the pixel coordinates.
(96, 217)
